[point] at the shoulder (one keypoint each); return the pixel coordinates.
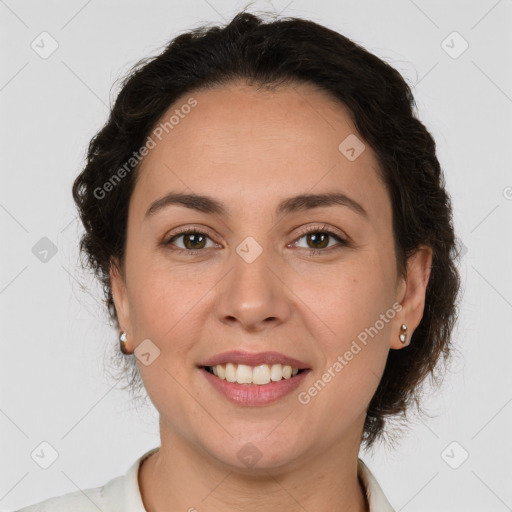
(79, 501)
(374, 493)
(120, 493)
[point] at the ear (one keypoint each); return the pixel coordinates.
(120, 296)
(411, 295)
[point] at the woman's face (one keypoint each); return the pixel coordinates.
(249, 279)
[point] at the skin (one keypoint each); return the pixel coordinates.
(250, 149)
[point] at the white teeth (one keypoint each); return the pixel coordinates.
(276, 372)
(221, 371)
(287, 372)
(244, 374)
(230, 372)
(260, 375)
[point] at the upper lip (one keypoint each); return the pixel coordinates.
(254, 359)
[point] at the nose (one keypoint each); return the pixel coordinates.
(253, 294)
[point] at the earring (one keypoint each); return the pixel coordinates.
(403, 333)
(122, 343)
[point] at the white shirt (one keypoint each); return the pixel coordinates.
(122, 494)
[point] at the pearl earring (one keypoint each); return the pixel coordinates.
(403, 333)
(122, 343)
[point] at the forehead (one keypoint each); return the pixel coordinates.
(257, 147)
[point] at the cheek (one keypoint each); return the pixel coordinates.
(348, 298)
(354, 302)
(355, 347)
(153, 306)
(163, 303)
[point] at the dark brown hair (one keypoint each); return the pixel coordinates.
(268, 54)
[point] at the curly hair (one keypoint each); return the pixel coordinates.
(287, 51)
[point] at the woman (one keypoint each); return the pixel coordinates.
(269, 222)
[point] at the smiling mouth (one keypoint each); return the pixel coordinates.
(253, 375)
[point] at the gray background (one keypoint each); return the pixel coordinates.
(55, 337)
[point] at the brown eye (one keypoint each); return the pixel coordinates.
(192, 240)
(318, 240)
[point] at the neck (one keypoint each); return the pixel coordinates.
(180, 477)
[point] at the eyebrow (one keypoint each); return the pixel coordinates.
(302, 202)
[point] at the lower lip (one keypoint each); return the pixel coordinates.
(253, 394)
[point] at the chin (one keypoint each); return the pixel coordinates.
(258, 453)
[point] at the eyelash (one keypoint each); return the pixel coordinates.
(315, 229)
